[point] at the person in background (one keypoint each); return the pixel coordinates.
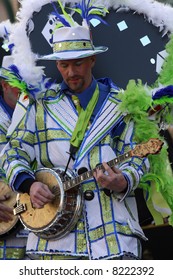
(11, 247)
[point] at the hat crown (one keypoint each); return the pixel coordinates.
(72, 39)
(71, 34)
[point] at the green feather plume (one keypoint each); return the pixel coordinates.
(136, 101)
(166, 74)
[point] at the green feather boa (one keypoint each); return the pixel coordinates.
(166, 74)
(136, 101)
(165, 78)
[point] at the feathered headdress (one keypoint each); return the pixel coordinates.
(10, 72)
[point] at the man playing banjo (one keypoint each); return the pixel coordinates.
(78, 126)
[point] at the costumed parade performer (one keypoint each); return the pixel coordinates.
(60, 130)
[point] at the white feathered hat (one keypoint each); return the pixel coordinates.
(71, 40)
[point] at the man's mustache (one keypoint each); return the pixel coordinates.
(73, 77)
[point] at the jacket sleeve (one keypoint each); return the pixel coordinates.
(18, 154)
(135, 167)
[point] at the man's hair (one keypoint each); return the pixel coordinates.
(1, 90)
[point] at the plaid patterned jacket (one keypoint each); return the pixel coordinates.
(109, 226)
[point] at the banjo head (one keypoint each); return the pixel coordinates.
(36, 219)
(55, 219)
(7, 228)
(5, 190)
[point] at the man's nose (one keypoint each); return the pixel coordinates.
(71, 70)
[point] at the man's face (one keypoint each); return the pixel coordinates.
(77, 73)
(10, 94)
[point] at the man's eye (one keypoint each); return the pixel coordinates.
(78, 63)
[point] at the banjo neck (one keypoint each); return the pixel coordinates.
(69, 184)
(153, 146)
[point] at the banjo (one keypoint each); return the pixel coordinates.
(57, 218)
(7, 228)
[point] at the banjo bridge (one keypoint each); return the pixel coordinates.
(19, 209)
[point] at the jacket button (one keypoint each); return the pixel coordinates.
(88, 195)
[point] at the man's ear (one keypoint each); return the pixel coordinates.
(93, 60)
(4, 84)
(57, 64)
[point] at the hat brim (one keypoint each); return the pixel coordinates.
(2, 74)
(66, 55)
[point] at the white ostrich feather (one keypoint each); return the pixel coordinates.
(6, 24)
(23, 57)
(159, 14)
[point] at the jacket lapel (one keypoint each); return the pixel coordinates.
(65, 114)
(107, 118)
